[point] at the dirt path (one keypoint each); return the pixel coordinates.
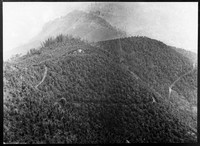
(170, 87)
(45, 74)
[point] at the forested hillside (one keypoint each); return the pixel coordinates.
(151, 60)
(158, 66)
(191, 55)
(70, 91)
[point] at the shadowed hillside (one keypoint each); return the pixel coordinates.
(158, 66)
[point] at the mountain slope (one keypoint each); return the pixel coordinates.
(191, 55)
(76, 23)
(82, 24)
(86, 97)
(148, 56)
(158, 66)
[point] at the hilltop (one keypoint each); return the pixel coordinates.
(77, 23)
(72, 91)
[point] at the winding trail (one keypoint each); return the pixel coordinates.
(170, 87)
(170, 90)
(46, 69)
(45, 74)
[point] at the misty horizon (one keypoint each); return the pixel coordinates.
(167, 22)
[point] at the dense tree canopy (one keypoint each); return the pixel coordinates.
(89, 97)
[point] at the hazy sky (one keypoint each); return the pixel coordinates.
(23, 20)
(176, 22)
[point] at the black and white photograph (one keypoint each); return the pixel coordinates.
(99, 72)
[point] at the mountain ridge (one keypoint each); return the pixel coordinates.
(77, 23)
(94, 91)
(89, 81)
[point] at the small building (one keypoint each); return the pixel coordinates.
(80, 51)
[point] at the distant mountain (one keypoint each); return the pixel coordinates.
(147, 19)
(117, 14)
(70, 91)
(190, 55)
(77, 23)
(81, 24)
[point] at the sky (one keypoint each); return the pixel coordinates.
(23, 20)
(176, 22)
